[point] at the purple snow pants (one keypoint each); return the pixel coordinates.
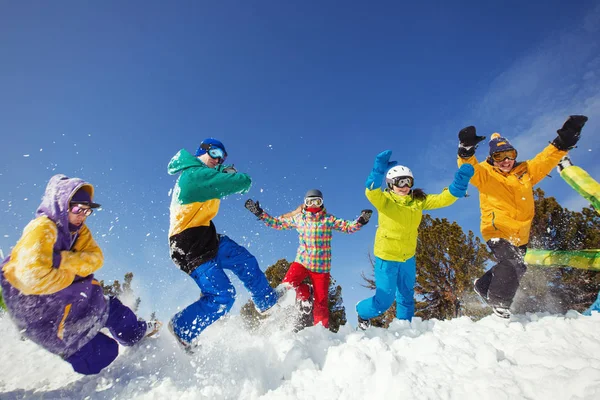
(99, 352)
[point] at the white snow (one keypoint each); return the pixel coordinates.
(532, 357)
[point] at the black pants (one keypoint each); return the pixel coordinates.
(500, 283)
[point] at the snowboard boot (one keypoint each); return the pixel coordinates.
(304, 317)
(186, 346)
(363, 324)
(306, 306)
(152, 328)
(502, 312)
(286, 297)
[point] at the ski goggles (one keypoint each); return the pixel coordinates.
(401, 181)
(503, 155)
(216, 153)
(80, 210)
(313, 201)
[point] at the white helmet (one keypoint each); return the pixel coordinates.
(399, 174)
(399, 171)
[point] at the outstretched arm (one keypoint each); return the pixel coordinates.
(279, 223)
(583, 183)
(567, 138)
(457, 189)
(204, 184)
(346, 226)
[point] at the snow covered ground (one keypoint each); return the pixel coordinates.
(532, 357)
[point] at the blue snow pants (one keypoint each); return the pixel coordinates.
(99, 352)
(594, 307)
(218, 294)
(392, 279)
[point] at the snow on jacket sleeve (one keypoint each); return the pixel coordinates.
(541, 165)
(481, 174)
(202, 184)
(30, 267)
(346, 226)
(433, 201)
(85, 258)
(278, 223)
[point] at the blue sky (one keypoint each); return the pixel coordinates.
(303, 94)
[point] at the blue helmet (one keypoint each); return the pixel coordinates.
(207, 144)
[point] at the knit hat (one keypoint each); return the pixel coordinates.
(207, 144)
(82, 196)
(499, 143)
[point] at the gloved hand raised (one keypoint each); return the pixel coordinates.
(230, 169)
(382, 164)
(253, 207)
(468, 141)
(365, 216)
(458, 187)
(568, 135)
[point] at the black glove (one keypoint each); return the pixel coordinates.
(468, 141)
(364, 217)
(253, 207)
(230, 169)
(568, 135)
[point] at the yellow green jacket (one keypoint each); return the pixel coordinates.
(506, 199)
(399, 219)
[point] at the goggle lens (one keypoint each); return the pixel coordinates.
(217, 153)
(313, 202)
(503, 155)
(402, 182)
(80, 210)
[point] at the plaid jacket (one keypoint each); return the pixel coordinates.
(314, 235)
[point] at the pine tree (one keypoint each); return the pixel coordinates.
(559, 289)
(337, 311)
(448, 261)
(121, 291)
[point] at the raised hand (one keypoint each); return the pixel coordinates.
(380, 167)
(568, 135)
(364, 217)
(458, 187)
(468, 141)
(229, 170)
(253, 207)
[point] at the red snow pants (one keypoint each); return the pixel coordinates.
(320, 281)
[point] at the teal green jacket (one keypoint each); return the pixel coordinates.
(399, 219)
(194, 203)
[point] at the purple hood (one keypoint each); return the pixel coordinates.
(55, 205)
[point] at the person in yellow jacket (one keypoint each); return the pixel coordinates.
(507, 205)
(400, 209)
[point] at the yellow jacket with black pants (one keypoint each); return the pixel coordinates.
(507, 210)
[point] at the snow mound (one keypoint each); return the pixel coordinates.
(536, 356)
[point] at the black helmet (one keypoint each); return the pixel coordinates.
(313, 193)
